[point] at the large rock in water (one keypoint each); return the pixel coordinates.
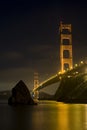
(20, 95)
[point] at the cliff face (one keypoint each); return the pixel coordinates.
(20, 95)
(73, 89)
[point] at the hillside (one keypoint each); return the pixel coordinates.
(73, 89)
(5, 94)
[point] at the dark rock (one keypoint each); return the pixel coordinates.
(20, 95)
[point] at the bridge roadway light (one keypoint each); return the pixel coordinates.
(76, 65)
(64, 71)
(81, 62)
(59, 72)
(77, 72)
(71, 68)
(69, 76)
(60, 77)
(67, 69)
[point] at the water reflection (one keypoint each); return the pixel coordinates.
(72, 117)
(63, 122)
(47, 115)
(85, 115)
(76, 117)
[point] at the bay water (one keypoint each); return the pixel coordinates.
(47, 115)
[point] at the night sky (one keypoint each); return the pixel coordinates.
(29, 38)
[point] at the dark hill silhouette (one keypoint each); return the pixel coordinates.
(5, 94)
(73, 89)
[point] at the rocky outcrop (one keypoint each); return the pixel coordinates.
(20, 95)
(73, 89)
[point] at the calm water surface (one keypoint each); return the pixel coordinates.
(47, 115)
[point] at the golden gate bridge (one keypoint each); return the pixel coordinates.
(66, 60)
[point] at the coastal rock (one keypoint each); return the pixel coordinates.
(20, 95)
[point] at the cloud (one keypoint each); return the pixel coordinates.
(9, 77)
(15, 73)
(11, 55)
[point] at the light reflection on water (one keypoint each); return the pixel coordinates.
(47, 115)
(85, 122)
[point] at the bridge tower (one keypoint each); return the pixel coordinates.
(66, 57)
(36, 83)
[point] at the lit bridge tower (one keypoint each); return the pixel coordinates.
(66, 59)
(36, 83)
